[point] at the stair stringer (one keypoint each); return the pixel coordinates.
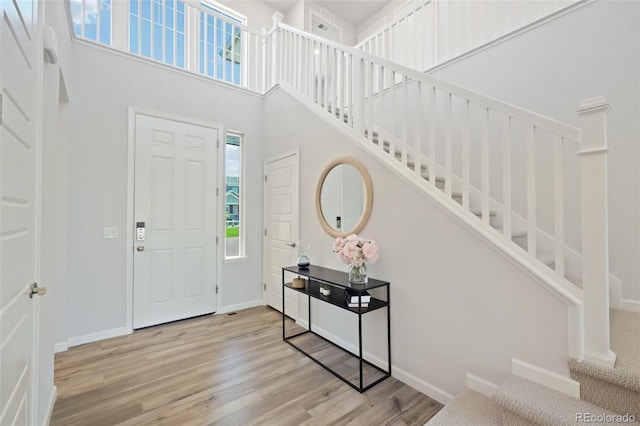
(560, 287)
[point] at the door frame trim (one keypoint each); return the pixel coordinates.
(276, 157)
(131, 162)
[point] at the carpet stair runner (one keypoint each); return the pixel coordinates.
(616, 389)
(608, 396)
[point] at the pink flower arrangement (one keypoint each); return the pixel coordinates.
(356, 251)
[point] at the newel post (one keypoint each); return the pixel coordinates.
(595, 235)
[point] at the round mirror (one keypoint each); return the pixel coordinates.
(344, 197)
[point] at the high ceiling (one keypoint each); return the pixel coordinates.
(353, 11)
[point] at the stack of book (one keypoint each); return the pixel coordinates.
(357, 299)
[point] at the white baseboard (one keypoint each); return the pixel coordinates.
(409, 379)
(52, 401)
(60, 347)
(546, 378)
(420, 385)
(101, 335)
(240, 306)
(483, 386)
(630, 305)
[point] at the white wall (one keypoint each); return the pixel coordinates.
(104, 85)
(550, 70)
(457, 305)
(258, 12)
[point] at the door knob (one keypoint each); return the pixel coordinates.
(40, 291)
(292, 244)
(140, 248)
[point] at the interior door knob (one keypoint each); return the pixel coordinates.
(40, 291)
(140, 248)
(292, 244)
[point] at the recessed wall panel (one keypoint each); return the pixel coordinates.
(194, 272)
(279, 178)
(281, 204)
(195, 196)
(162, 193)
(162, 137)
(194, 143)
(161, 276)
(281, 231)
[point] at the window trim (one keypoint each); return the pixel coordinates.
(242, 223)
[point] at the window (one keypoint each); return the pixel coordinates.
(157, 30)
(234, 196)
(220, 45)
(92, 19)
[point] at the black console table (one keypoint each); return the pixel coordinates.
(339, 281)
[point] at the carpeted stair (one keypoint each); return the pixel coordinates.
(609, 396)
(527, 403)
(616, 389)
(469, 408)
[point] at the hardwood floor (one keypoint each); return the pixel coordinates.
(223, 369)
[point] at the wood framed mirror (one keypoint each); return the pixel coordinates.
(344, 197)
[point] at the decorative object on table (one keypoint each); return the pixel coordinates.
(299, 283)
(325, 289)
(303, 259)
(356, 252)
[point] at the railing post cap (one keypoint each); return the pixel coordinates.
(591, 105)
(277, 18)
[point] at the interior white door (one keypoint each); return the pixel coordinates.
(281, 226)
(175, 197)
(19, 64)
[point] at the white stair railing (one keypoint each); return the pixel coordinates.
(484, 154)
(427, 33)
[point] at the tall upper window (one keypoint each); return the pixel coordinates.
(220, 45)
(157, 30)
(234, 235)
(92, 19)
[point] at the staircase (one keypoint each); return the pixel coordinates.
(507, 174)
(607, 396)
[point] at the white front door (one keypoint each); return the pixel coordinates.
(19, 65)
(175, 202)
(281, 226)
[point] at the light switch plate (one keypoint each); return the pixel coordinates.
(110, 232)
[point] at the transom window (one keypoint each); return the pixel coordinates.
(157, 30)
(92, 19)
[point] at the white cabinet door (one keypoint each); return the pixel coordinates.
(175, 197)
(281, 225)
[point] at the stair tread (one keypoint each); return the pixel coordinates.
(625, 338)
(514, 234)
(540, 404)
(468, 408)
(478, 211)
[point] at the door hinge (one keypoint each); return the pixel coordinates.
(218, 143)
(265, 232)
(217, 192)
(265, 178)
(217, 289)
(264, 286)
(216, 240)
